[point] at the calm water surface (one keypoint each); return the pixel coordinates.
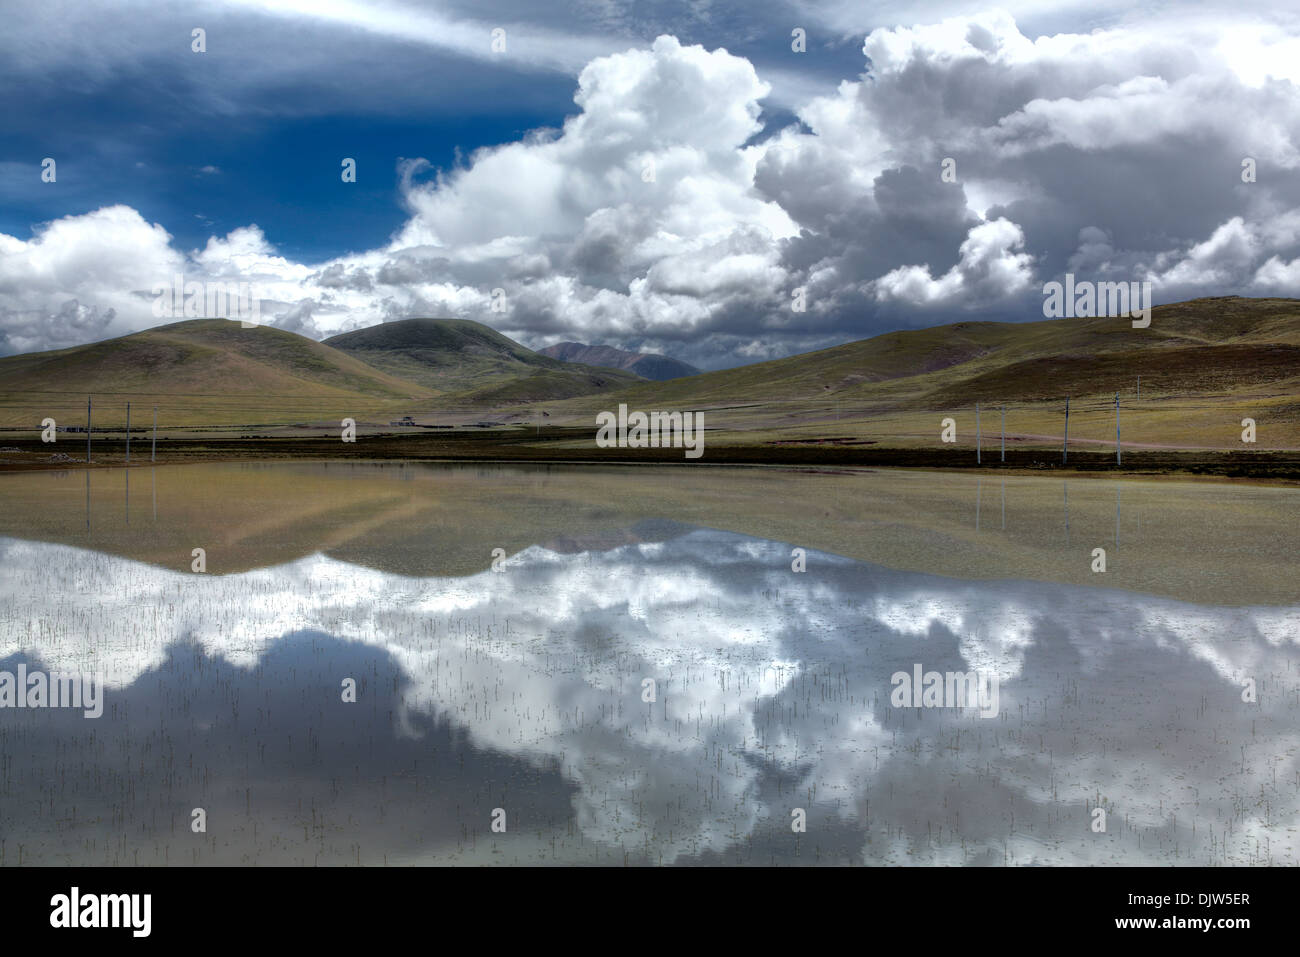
(522, 689)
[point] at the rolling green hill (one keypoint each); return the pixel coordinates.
(1204, 364)
(213, 372)
(473, 360)
(202, 371)
(1200, 345)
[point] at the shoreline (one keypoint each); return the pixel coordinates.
(1256, 467)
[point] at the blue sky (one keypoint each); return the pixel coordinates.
(161, 138)
(168, 135)
(659, 176)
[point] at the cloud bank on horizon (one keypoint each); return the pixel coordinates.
(695, 192)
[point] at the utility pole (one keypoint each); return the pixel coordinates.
(87, 430)
(977, 433)
(128, 433)
(1004, 433)
(153, 451)
(1139, 387)
(1066, 440)
(1117, 453)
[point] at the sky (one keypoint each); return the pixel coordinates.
(672, 177)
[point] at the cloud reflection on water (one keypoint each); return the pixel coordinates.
(773, 693)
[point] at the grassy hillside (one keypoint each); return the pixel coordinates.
(465, 357)
(1192, 346)
(200, 372)
(1204, 365)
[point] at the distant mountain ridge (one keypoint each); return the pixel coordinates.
(474, 361)
(645, 364)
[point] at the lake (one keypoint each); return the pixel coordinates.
(403, 664)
